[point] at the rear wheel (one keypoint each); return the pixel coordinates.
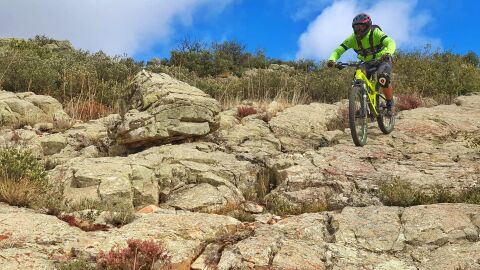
(385, 122)
(357, 115)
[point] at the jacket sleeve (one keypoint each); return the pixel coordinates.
(337, 53)
(389, 45)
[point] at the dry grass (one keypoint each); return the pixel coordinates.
(233, 210)
(282, 207)
(86, 110)
(20, 192)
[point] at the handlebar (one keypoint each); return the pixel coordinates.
(342, 65)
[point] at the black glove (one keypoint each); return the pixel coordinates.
(330, 63)
(386, 57)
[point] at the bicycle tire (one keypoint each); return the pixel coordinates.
(385, 123)
(357, 115)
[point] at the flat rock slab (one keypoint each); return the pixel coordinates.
(446, 236)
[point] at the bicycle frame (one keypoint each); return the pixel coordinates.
(370, 87)
(365, 90)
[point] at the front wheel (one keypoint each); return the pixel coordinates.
(385, 122)
(357, 115)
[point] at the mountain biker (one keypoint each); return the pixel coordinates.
(370, 43)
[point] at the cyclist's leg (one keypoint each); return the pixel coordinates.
(384, 76)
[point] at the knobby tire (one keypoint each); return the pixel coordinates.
(385, 123)
(357, 116)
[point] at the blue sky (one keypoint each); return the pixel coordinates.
(286, 29)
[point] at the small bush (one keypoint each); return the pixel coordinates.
(398, 193)
(136, 256)
(244, 111)
(23, 180)
(16, 165)
(119, 215)
(408, 102)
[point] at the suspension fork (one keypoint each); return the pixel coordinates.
(365, 100)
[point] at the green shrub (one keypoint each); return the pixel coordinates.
(54, 68)
(22, 178)
(16, 165)
(23, 182)
(397, 192)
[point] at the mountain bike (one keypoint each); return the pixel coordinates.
(365, 102)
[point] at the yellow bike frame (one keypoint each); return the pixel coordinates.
(370, 89)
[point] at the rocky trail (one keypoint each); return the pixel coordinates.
(280, 189)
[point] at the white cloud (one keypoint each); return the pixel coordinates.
(114, 26)
(397, 18)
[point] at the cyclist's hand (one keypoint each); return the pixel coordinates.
(386, 57)
(330, 63)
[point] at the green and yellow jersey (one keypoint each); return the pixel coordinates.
(372, 46)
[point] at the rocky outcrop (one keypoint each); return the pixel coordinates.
(34, 241)
(26, 108)
(250, 137)
(365, 238)
(435, 147)
(307, 127)
(163, 110)
(195, 176)
(442, 236)
(88, 139)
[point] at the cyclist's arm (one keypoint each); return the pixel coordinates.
(389, 45)
(337, 53)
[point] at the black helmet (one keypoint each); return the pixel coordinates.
(361, 19)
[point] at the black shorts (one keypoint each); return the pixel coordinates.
(380, 68)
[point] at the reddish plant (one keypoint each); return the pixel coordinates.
(138, 255)
(243, 111)
(408, 102)
(83, 225)
(87, 110)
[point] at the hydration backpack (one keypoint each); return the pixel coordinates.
(373, 50)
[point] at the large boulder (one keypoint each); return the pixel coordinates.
(19, 109)
(307, 127)
(163, 110)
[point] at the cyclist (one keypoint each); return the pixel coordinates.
(370, 43)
